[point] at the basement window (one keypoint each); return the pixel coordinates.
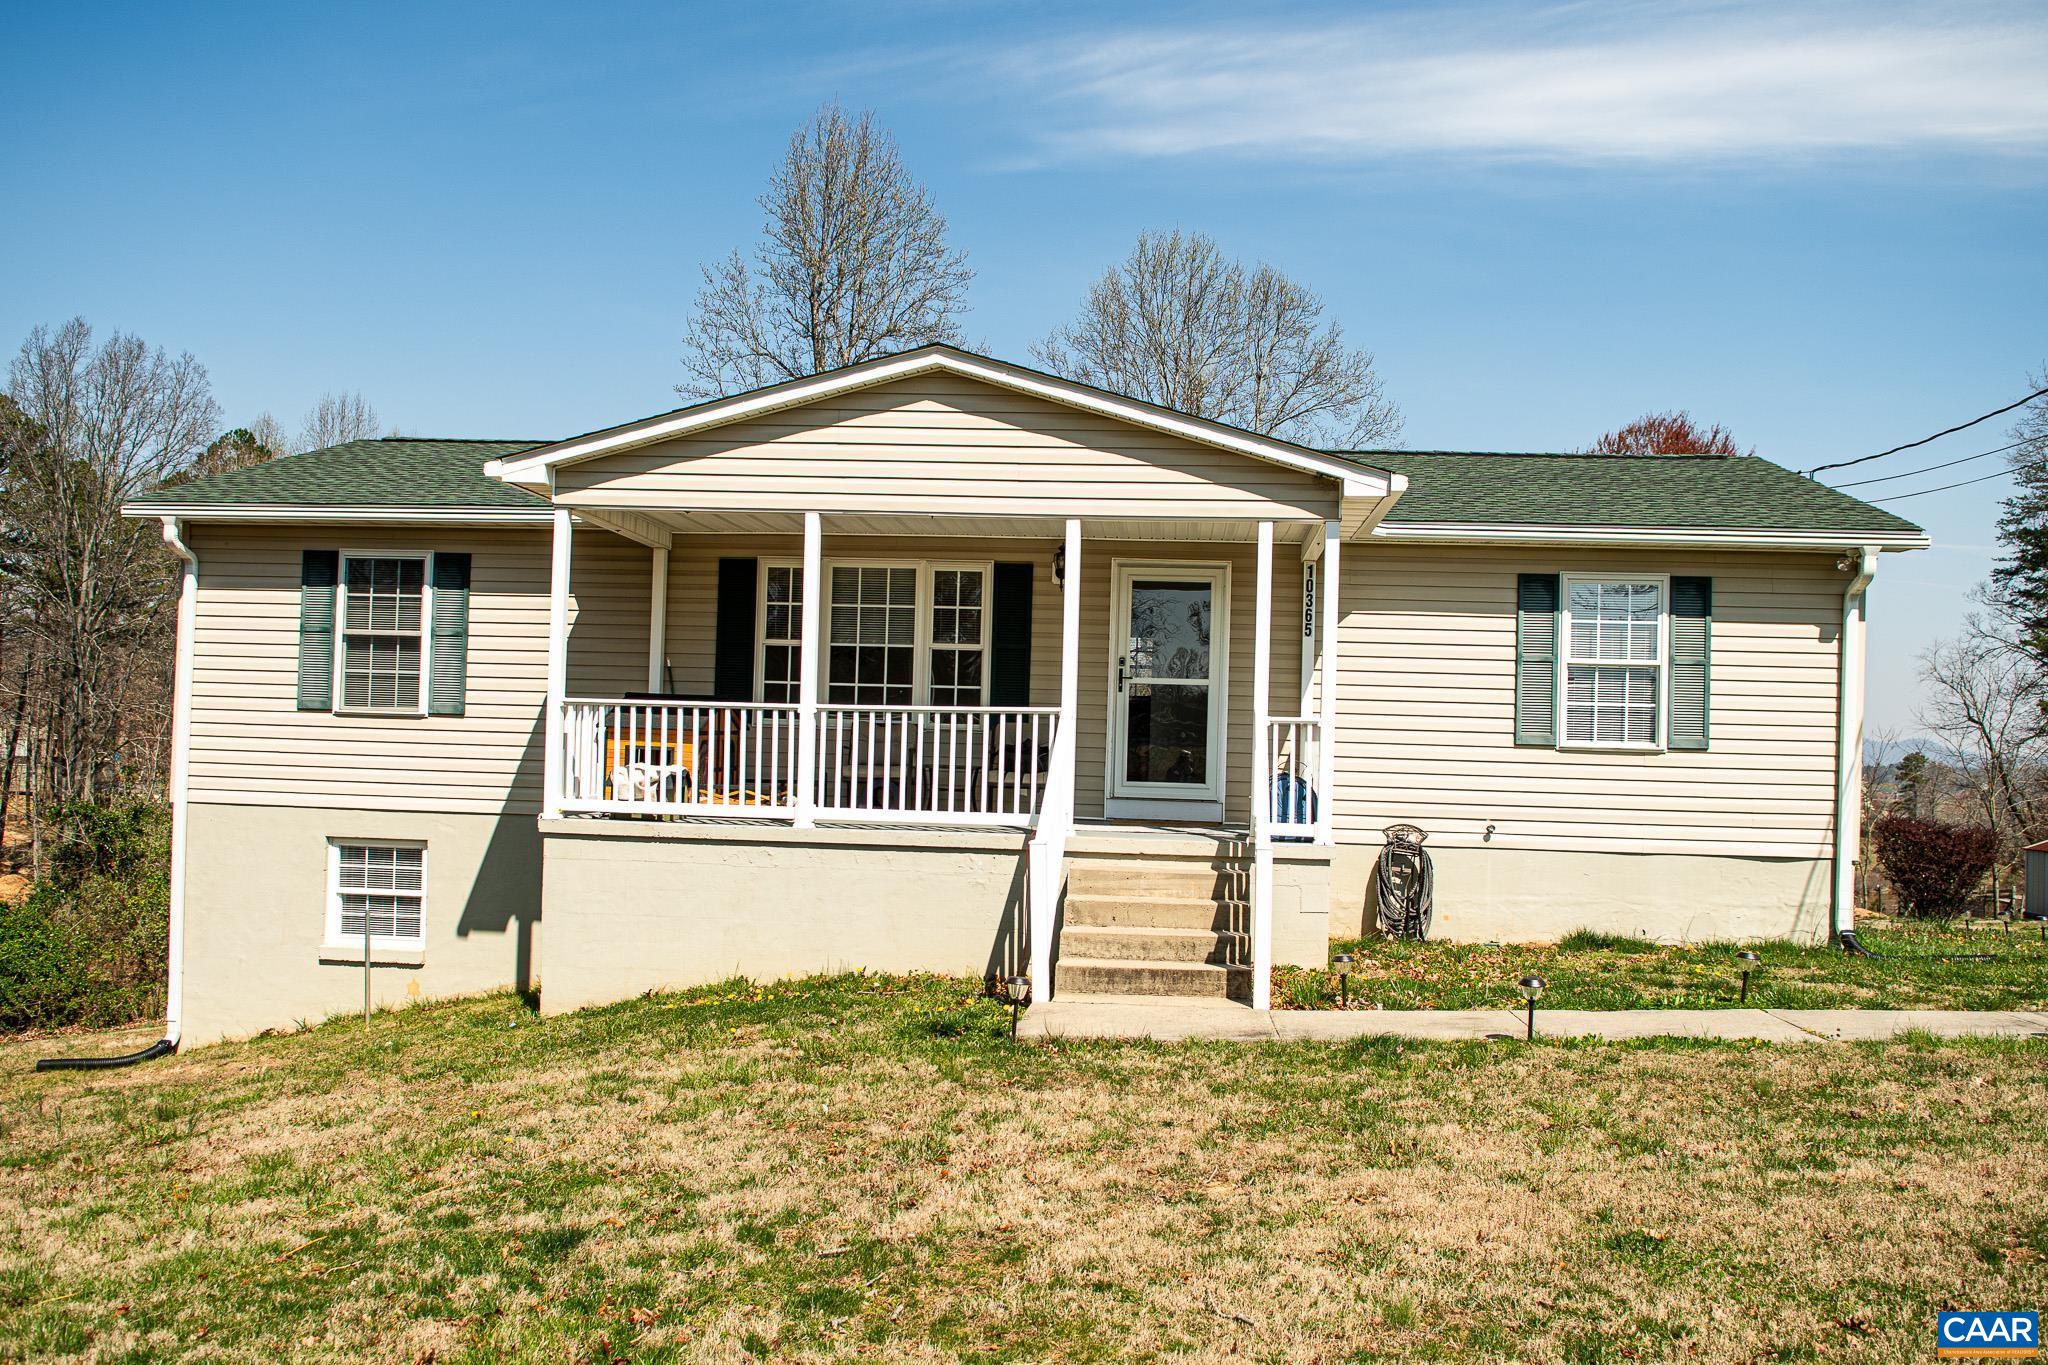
(381, 887)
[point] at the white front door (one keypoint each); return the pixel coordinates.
(1169, 634)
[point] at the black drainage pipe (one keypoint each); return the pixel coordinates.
(162, 1047)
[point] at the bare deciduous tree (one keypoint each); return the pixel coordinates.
(1668, 433)
(853, 264)
(1180, 324)
(1982, 699)
(268, 432)
(99, 425)
(336, 418)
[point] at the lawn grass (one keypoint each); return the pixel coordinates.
(1926, 966)
(862, 1166)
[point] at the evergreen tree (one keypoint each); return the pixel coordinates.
(2019, 581)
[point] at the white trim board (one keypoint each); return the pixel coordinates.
(533, 468)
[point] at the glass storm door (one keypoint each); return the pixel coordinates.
(1167, 663)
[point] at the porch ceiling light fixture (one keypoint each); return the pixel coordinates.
(1750, 963)
(1531, 986)
(1343, 963)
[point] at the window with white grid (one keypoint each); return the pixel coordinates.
(782, 632)
(1614, 662)
(959, 639)
(871, 649)
(383, 633)
(383, 884)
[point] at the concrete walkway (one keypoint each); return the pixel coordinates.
(1167, 1020)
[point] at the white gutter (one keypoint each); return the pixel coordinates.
(1479, 533)
(539, 514)
(1849, 743)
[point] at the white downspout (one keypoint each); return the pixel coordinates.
(1849, 743)
(181, 766)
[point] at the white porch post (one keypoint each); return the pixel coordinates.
(1056, 815)
(1070, 638)
(553, 762)
(807, 678)
(1326, 733)
(657, 622)
(1262, 777)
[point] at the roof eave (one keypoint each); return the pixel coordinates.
(1737, 538)
(316, 512)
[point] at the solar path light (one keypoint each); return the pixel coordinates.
(1750, 963)
(1531, 987)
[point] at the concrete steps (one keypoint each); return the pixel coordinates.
(1154, 944)
(1099, 976)
(1157, 922)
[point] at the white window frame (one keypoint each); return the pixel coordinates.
(920, 669)
(796, 567)
(341, 633)
(335, 939)
(1661, 664)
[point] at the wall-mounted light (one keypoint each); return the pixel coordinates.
(1059, 564)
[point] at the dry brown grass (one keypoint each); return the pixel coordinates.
(866, 1168)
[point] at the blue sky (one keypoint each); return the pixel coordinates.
(1822, 226)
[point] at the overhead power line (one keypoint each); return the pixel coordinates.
(1929, 469)
(1949, 431)
(1923, 492)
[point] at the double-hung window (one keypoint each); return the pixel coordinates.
(958, 648)
(782, 631)
(871, 635)
(1614, 662)
(380, 888)
(895, 634)
(383, 635)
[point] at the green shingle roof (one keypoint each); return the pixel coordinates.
(395, 471)
(1688, 492)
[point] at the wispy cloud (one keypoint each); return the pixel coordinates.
(1577, 83)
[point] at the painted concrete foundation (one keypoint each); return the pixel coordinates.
(256, 915)
(1500, 894)
(635, 906)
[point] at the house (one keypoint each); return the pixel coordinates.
(941, 663)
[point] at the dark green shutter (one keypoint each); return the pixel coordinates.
(319, 571)
(732, 661)
(448, 651)
(1009, 636)
(1692, 647)
(1536, 617)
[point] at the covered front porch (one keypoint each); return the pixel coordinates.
(1047, 676)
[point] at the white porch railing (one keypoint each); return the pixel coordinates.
(932, 764)
(945, 764)
(1294, 754)
(679, 758)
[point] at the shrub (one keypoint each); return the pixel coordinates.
(1933, 866)
(87, 945)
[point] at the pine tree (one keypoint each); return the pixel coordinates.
(2019, 581)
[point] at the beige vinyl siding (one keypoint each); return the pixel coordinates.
(251, 745)
(1427, 667)
(693, 606)
(945, 444)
